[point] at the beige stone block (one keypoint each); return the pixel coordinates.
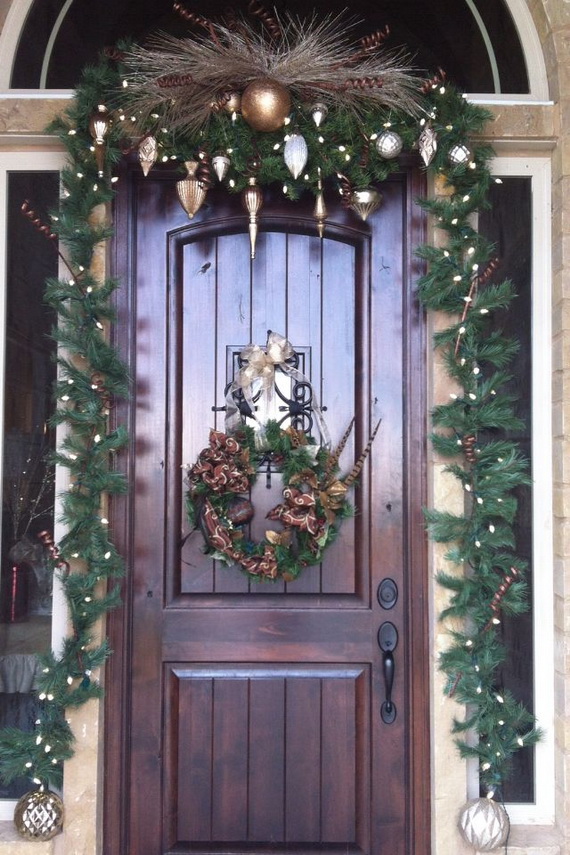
(560, 292)
(539, 17)
(81, 784)
(12, 844)
(561, 461)
(561, 616)
(562, 539)
(561, 247)
(561, 502)
(561, 303)
(21, 116)
(534, 840)
(530, 121)
(562, 707)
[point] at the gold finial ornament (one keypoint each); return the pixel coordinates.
(98, 128)
(252, 199)
(191, 190)
(320, 212)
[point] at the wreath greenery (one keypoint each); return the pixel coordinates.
(314, 500)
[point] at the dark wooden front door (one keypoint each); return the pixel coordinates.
(248, 717)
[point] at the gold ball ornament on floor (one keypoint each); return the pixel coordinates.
(484, 824)
(265, 104)
(39, 815)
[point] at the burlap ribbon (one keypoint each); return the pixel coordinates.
(258, 375)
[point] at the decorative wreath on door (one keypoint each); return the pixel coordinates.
(314, 497)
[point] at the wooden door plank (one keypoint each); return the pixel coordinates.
(266, 759)
(303, 760)
(230, 737)
(193, 774)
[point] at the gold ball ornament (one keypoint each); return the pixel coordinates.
(265, 104)
(39, 815)
(484, 824)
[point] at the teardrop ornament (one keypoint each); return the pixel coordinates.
(296, 154)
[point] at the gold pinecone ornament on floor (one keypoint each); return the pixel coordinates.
(39, 815)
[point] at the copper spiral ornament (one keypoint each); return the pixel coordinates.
(204, 170)
(42, 227)
(346, 191)
(172, 81)
(468, 443)
(375, 40)
(258, 10)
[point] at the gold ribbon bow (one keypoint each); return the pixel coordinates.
(260, 364)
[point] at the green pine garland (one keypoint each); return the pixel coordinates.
(470, 430)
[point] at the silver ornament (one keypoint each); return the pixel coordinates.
(459, 154)
(484, 824)
(221, 164)
(148, 152)
(319, 113)
(389, 145)
(365, 202)
(428, 145)
(296, 154)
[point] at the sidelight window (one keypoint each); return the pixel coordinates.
(27, 625)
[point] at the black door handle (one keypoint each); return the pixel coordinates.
(387, 641)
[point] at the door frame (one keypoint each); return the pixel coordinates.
(117, 673)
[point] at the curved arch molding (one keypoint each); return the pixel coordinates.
(530, 42)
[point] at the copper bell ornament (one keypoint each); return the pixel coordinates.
(98, 128)
(191, 190)
(252, 199)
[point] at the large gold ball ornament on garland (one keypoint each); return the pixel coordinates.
(39, 815)
(484, 824)
(265, 104)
